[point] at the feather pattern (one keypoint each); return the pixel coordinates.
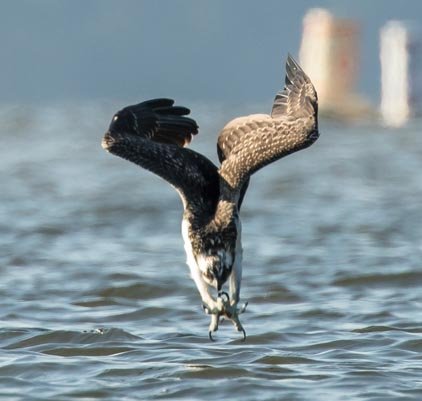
(249, 143)
(298, 99)
(153, 134)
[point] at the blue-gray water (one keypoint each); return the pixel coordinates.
(97, 304)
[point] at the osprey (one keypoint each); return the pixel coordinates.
(154, 134)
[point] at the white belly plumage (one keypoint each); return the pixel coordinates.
(200, 264)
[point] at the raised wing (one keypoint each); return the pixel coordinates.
(250, 143)
(298, 99)
(153, 134)
(222, 155)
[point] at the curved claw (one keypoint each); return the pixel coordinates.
(241, 329)
(244, 334)
(232, 313)
(243, 308)
(225, 310)
(221, 293)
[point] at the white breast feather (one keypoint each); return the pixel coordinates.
(190, 258)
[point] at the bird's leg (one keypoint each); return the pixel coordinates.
(231, 311)
(236, 278)
(224, 306)
(215, 316)
(227, 306)
(215, 308)
(210, 305)
(235, 283)
(225, 309)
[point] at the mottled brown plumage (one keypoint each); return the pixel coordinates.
(153, 134)
(252, 142)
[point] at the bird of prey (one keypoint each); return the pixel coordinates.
(154, 134)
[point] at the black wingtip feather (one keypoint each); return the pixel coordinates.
(156, 103)
(157, 120)
(174, 110)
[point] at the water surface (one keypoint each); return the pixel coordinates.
(97, 303)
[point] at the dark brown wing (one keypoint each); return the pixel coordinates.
(153, 134)
(252, 142)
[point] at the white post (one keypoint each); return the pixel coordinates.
(395, 108)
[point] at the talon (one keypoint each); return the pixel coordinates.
(244, 334)
(243, 308)
(239, 327)
(224, 310)
(213, 325)
(221, 293)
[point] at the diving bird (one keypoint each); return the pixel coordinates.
(154, 134)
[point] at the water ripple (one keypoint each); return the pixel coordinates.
(97, 303)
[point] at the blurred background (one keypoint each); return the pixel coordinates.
(96, 299)
(233, 52)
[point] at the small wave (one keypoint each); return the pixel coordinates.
(47, 338)
(137, 291)
(380, 329)
(86, 351)
(283, 360)
(214, 373)
(411, 345)
(411, 278)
